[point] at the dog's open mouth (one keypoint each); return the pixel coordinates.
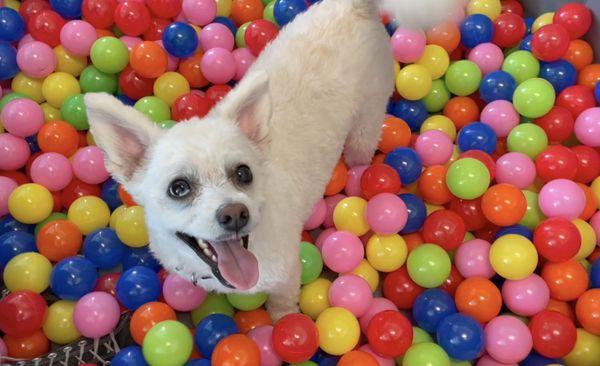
(229, 260)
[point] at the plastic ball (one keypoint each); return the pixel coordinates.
(557, 124)
(463, 78)
(154, 108)
(73, 277)
(30, 203)
(472, 259)
(247, 302)
(406, 162)
(15, 152)
(509, 29)
(96, 314)
(434, 147)
(386, 213)
(467, 178)
(528, 139)
(513, 257)
(487, 56)
(507, 339)
(550, 42)
(587, 308)
(314, 297)
(351, 293)
(59, 86)
(562, 198)
(576, 18)
(386, 253)
(561, 74)
(286, 10)
(554, 334)
(476, 29)
(534, 98)
(103, 248)
(89, 213)
(349, 215)
(503, 204)
(58, 240)
(167, 343)
(236, 348)
(585, 352)
(12, 26)
(13, 243)
(358, 358)
(52, 170)
(180, 39)
(426, 353)
(408, 45)
(218, 65)
(389, 334)
(22, 313)
(521, 65)
(587, 127)
(146, 317)
(312, 262)
(338, 330)
(127, 356)
(262, 337)
(557, 239)
(109, 55)
(296, 338)
(36, 59)
(501, 116)
(428, 265)
(413, 82)
(59, 326)
(342, 251)
(461, 337)
(526, 297)
(137, 286)
(148, 60)
(22, 117)
(435, 59)
(431, 307)
(378, 179)
(477, 136)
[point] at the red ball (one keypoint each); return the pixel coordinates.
(164, 9)
(588, 163)
(554, 334)
(575, 17)
(444, 228)
(99, 13)
(30, 8)
(576, 99)
(485, 158)
(77, 189)
(258, 34)
(513, 6)
(389, 334)
(295, 338)
(132, 17)
(156, 29)
(133, 85)
(190, 105)
(217, 92)
(400, 289)
(550, 42)
(108, 283)
(557, 239)
(379, 178)
(558, 124)
(45, 27)
(470, 211)
(22, 313)
(453, 281)
(509, 30)
(556, 162)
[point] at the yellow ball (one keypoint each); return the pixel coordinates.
(116, 214)
(432, 208)
(66, 62)
(13, 4)
(170, 86)
(455, 155)
(59, 326)
(365, 271)
(413, 82)
(30, 203)
(588, 239)
(513, 257)
(349, 215)
(89, 213)
(223, 8)
(28, 86)
(386, 253)
(586, 351)
(59, 86)
(339, 331)
(51, 113)
(542, 20)
(489, 8)
(89, 138)
(131, 227)
(314, 297)
(440, 123)
(396, 69)
(436, 60)
(596, 190)
(28, 271)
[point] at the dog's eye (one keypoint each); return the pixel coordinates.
(179, 188)
(243, 175)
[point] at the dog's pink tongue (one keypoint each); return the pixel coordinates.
(236, 264)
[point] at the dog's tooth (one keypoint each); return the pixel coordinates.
(214, 258)
(207, 252)
(203, 245)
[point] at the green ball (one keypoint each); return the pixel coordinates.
(527, 138)
(109, 55)
(240, 40)
(428, 265)
(467, 178)
(154, 107)
(437, 97)
(534, 98)
(93, 80)
(420, 336)
(73, 111)
(247, 302)
(426, 354)
(168, 343)
(165, 125)
(305, 363)
(312, 262)
(533, 215)
(53, 217)
(268, 13)
(213, 304)
(10, 97)
(454, 362)
(463, 78)
(521, 65)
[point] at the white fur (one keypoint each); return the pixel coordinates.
(318, 89)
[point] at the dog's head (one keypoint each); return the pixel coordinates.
(201, 182)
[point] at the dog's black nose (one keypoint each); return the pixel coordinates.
(233, 216)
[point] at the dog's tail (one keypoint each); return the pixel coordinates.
(418, 13)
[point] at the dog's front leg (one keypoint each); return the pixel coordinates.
(283, 299)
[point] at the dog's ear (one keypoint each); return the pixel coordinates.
(122, 132)
(249, 104)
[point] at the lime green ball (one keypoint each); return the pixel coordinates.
(168, 343)
(73, 111)
(437, 97)
(534, 98)
(467, 178)
(426, 354)
(247, 302)
(93, 80)
(240, 40)
(305, 363)
(213, 304)
(463, 78)
(109, 55)
(268, 12)
(312, 262)
(454, 362)
(533, 215)
(165, 125)
(10, 97)
(154, 107)
(521, 65)
(527, 138)
(420, 336)
(53, 217)
(428, 265)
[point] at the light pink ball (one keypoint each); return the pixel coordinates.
(507, 339)
(130, 41)
(263, 337)
(486, 360)
(322, 236)
(243, 60)
(216, 35)
(88, 165)
(561, 198)
(378, 305)
(472, 259)
(434, 147)
(218, 65)
(515, 168)
(331, 202)
(181, 294)
(52, 170)
(36, 59)
(595, 222)
(408, 44)
(386, 213)
(317, 216)
(487, 56)
(380, 360)
(199, 12)
(352, 293)
(526, 297)
(77, 36)
(587, 127)
(7, 185)
(353, 181)
(27, 38)
(14, 152)
(501, 116)
(22, 117)
(96, 314)
(342, 251)
(172, 61)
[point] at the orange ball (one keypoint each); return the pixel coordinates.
(462, 111)
(590, 202)
(59, 239)
(148, 59)
(236, 350)
(445, 35)
(432, 185)
(588, 311)
(566, 280)
(104, 33)
(59, 137)
(147, 316)
(190, 69)
(561, 307)
(337, 182)
(357, 358)
(248, 320)
(378, 159)
(412, 240)
(27, 347)
(580, 54)
(589, 76)
(126, 197)
(503, 204)
(394, 133)
(478, 297)
(243, 11)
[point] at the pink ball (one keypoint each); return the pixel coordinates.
(486, 360)
(487, 56)
(243, 60)
(380, 360)
(172, 61)
(472, 259)
(587, 127)
(434, 147)
(130, 41)
(96, 314)
(407, 44)
(181, 294)
(317, 216)
(353, 181)
(507, 339)
(7, 185)
(386, 213)
(322, 236)
(199, 12)
(526, 297)
(28, 38)
(88, 165)
(216, 35)
(52, 170)
(561, 198)
(378, 305)
(14, 152)
(77, 36)
(352, 293)
(595, 222)
(22, 117)
(342, 251)
(36, 59)
(218, 65)
(331, 202)
(515, 168)
(501, 116)
(263, 337)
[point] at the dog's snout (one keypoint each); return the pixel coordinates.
(233, 216)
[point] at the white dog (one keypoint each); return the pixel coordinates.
(226, 196)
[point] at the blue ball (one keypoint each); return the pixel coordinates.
(561, 74)
(211, 330)
(14, 243)
(476, 29)
(33, 145)
(460, 336)
(110, 194)
(180, 39)
(497, 85)
(525, 44)
(140, 257)
(103, 248)
(535, 359)
(68, 9)
(529, 24)
(417, 212)
(137, 286)
(226, 22)
(198, 362)
(406, 162)
(515, 229)
(414, 113)
(125, 99)
(595, 274)
(431, 307)
(597, 92)
(12, 25)
(8, 61)
(477, 136)
(129, 356)
(285, 11)
(73, 277)
(9, 223)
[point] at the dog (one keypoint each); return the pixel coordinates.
(226, 196)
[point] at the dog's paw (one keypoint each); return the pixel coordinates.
(278, 312)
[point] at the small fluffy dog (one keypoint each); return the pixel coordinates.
(226, 196)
